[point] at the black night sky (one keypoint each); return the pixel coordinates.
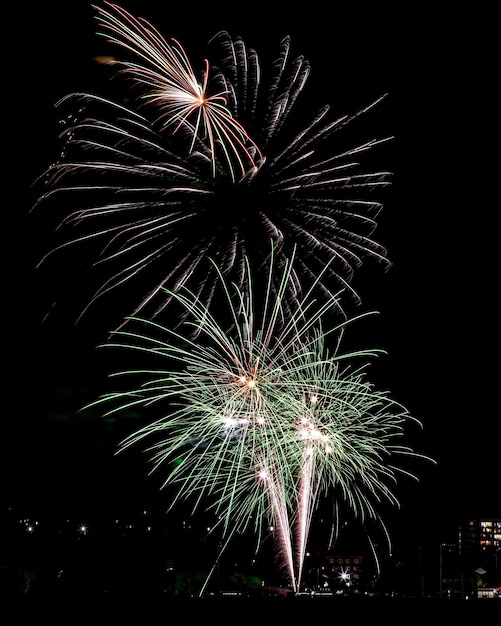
(438, 317)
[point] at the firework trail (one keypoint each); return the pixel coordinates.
(181, 168)
(261, 422)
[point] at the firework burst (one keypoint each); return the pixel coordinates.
(262, 421)
(169, 84)
(181, 168)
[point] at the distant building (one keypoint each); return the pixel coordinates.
(483, 535)
(479, 548)
(345, 572)
(466, 564)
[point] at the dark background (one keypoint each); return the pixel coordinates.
(438, 303)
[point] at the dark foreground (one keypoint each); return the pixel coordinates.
(72, 609)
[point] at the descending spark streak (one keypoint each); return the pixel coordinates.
(306, 499)
(309, 479)
(276, 495)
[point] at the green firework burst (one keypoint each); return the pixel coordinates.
(263, 419)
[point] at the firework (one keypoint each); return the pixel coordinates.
(169, 83)
(172, 191)
(181, 167)
(262, 421)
